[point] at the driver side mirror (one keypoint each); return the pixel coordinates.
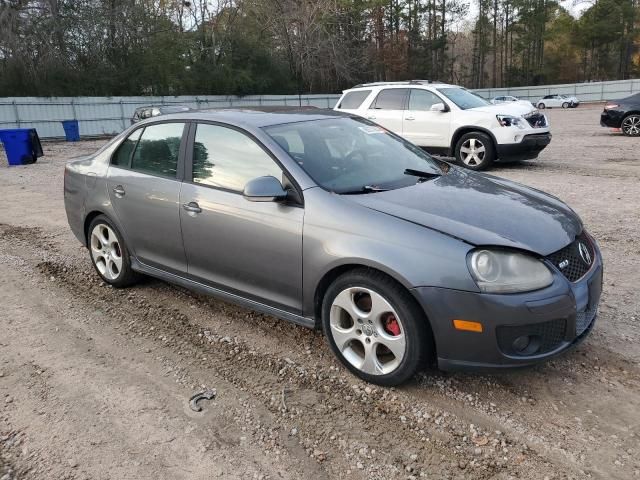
(439, 107)
(264, 189)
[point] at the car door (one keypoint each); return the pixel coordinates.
(249, 248)
(422, 126)
(144, 189)
(387, 109)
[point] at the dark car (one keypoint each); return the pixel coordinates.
(142, 113)
(623, 114)
(330, 221)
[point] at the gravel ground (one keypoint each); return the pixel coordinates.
(94, 382)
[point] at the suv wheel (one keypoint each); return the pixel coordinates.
(109, 254)
(631, 125)
(565, 105)
(375, 327)
(475, 150)
(541, 106)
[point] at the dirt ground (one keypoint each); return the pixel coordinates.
(95, 382)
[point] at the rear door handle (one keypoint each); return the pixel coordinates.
(410, 118)
(371, 117)
(192, 207)
(119, 191)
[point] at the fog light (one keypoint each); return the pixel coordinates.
(520, 343)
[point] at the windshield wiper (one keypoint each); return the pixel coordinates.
(424, 176)
(365, 189)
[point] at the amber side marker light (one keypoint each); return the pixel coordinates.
(467, 326)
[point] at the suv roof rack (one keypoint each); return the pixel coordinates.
(405, 82)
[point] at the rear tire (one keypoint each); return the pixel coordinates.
(475, 151)
(375, 327)
(631, 125)
(109, 254)
(541, 106)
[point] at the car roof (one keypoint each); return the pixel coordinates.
(404, 84)
(256, 116)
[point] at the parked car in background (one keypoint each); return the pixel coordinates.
(555, 100)
(623, 114)
(142, 113)
(330, 221)
(452, 121)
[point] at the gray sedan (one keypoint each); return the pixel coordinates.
(333, 222)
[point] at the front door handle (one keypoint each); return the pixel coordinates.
(119, 191)
(371, 117)
(410, 118)
(192, 207)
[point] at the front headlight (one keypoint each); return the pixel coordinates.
(511, 121)
(501, 271)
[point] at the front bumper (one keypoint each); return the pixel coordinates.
(559, 316)
(527, 149)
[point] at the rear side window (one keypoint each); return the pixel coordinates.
(226, 158)
(353, 100)
(422, 99)
(390, 99)
(158, 149)
(122, 157)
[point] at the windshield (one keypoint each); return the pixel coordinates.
(463, 98)
(352, 155)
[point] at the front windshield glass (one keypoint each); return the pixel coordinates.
(352, 155)
(463, 98)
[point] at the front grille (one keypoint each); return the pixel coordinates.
(536, 120)
(546, 336)
(584, 319)
(571, 262)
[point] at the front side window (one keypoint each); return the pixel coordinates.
(158, 149)
(226, 158)
(390, 99)
(353, 100)
(122, 157)
(353, 155)
(463, 98)
(422, 99)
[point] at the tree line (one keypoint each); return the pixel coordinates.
(174, 47)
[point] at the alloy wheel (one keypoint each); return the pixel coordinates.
(472, 152)
(367, 331)
(631, 125)
(106, 251)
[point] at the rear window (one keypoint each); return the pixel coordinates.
(157, 150)
(353, 100)
(390, 99)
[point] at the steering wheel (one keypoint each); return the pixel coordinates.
(356, 156)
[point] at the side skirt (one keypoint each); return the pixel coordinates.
(215, 292)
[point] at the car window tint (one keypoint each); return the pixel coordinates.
(353, 100)
(226, 158)
(422, 99)
(123, 154)
(390, 99)
(157, 150)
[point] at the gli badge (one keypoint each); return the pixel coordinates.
(584, 253)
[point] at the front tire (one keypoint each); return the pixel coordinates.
(109, 254)
(631, 125)
(375, 327)
(565, 105)
(475, 151)
(541, 106)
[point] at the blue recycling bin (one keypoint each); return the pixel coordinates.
(22, 145)
(71, 130)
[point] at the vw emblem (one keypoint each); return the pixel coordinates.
(584, 253)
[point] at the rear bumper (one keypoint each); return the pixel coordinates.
(529, 148)
(611, 118)
(558, 317)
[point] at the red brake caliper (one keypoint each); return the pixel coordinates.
(391, 326)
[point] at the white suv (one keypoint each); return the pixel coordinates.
(452, 121)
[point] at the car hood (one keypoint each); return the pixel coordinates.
(509, 108)
(482, 210)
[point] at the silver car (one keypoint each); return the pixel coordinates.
(333, 222)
